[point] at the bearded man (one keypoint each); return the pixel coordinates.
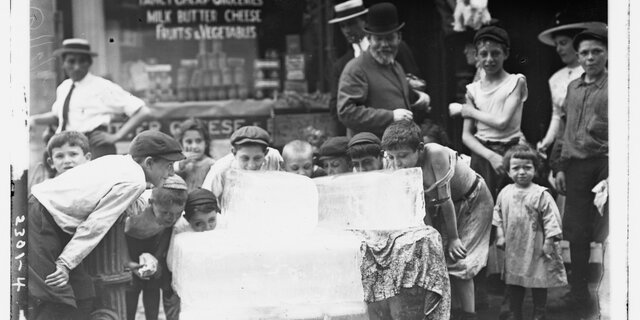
(373, 90)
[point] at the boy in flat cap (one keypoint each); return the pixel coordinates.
(333, 154)
(584, 159)
(365, 152)
(69, 215)
(249, 151)
(493, 111)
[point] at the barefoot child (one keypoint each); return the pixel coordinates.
(69, 215)
(365, 152)
(148, 230)
(333, 154)
(528, 228)
(298, 159)
(457, 195)
(194, 138)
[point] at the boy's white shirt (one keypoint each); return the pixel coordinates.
(85, 202)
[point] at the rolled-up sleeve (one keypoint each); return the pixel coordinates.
(352, 96)
(91, 231)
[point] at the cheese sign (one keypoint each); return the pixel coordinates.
(219, 127)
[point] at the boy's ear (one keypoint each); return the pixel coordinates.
(88, 156)
(147, 162)
(50, 163)
(420, 146)
(233, 150)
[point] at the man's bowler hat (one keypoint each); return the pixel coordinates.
(153, 143)
(383, 19)
(75, 45)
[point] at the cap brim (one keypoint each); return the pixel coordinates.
(336, 20)
(176, 156)
(369, 31)
(60, 52)
(332, 156)
(546, 38)
(247, 140)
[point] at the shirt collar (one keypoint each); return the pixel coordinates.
(361, 46)
(599, 83)
(84, 80)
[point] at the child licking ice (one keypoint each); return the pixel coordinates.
(458, 201)
(200, 214)
(148, 231)
(201, 211)
(365, 152)
(194, 138)
(333, 155)
(298, 159)
(528, 228)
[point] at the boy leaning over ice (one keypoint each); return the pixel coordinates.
(404, 273)
(69, 215)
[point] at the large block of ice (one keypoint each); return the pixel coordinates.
(269, 260)
(378, 200)
(225, 275)
(269, 202)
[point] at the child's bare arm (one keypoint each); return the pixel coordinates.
(498, 121)
(441, 166)
(472, 143)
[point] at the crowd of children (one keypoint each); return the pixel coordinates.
(70, 213)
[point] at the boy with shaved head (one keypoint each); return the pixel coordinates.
(298, 159)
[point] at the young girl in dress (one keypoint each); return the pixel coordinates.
(194, 138)
(528, 229)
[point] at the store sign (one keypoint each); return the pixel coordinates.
(219, 127)
(203, 19)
